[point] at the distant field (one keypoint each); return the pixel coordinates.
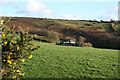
(54, 61)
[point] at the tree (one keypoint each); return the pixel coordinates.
(111, 20)
(80, 40)
(53, 37)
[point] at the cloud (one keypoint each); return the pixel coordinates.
(26, 7)
(111, 14)
(35, 8)
(69, 17)
(2, 2)
(12, 3)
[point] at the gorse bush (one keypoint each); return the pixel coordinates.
(16, 47)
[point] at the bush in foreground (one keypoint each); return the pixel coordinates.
(16, 47)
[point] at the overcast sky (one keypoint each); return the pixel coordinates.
(61, 9)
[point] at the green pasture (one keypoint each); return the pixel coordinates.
(55, 61)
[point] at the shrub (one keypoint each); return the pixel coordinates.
(88, 44)
(60, 35)
(15, 49)
(53, 37)
(80, 39)
(43, 33)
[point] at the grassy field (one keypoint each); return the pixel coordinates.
(54, 61)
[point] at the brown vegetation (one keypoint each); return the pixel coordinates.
(97, 35)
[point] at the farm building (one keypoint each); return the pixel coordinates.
(70, 42)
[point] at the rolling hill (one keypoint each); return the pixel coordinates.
(100, 34)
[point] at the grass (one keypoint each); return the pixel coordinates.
(54, 61)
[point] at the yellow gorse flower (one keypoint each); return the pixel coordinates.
(3, 35)
(13, 67)
(18, 71)
(4, 60)
(10, 53)
(2, 21)
(14, 77)
(30, 56)
(23, 74)
(8, 57)
(2, 70)
(9, 61)
(5, 42)
(17, 47)
(23, 60)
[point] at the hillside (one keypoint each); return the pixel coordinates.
(57, 24)
(100, 34)
(53, 61)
